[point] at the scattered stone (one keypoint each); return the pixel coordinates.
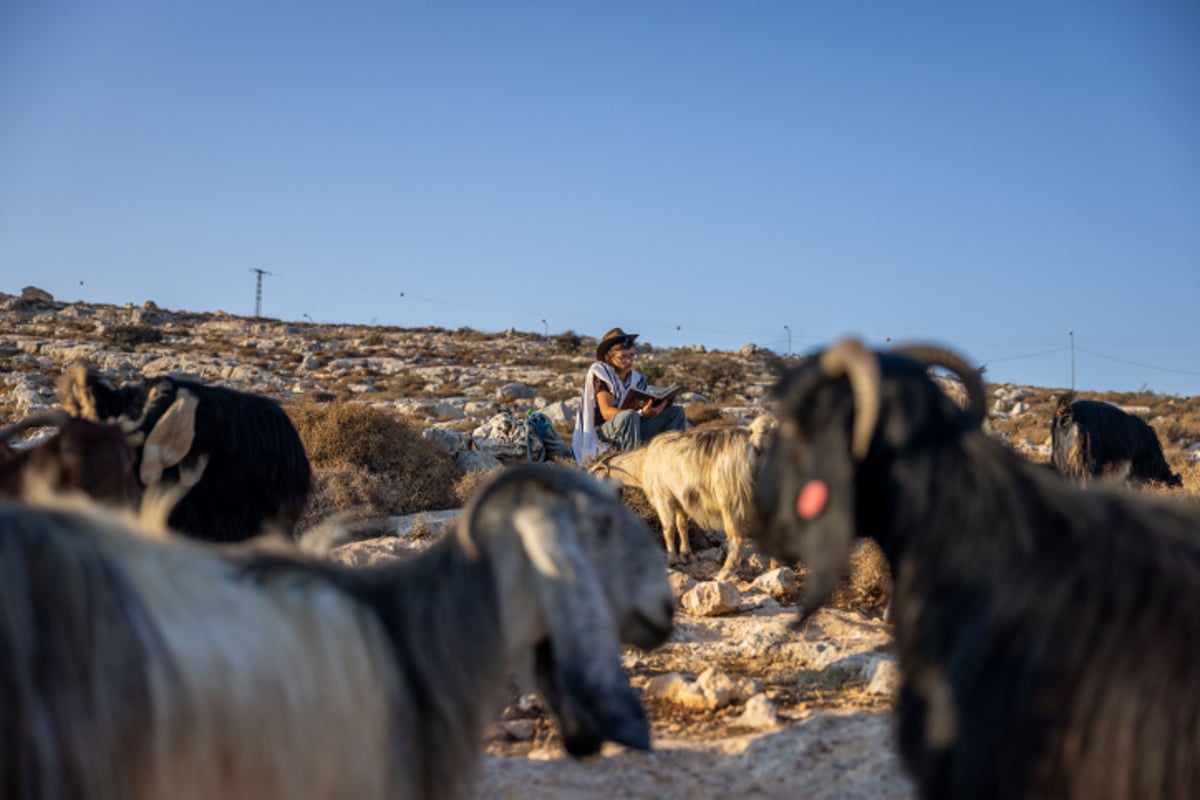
(476, 461)
(760, 714)
(562, 412)
(502, 436)
(34, 294)
(681, 582)
(711, 690)
(449, 410)
(777, 582)
(711, 598)
(450, 440)
(882, 676)
(515, 391)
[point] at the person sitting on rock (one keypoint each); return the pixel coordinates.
(600, 422)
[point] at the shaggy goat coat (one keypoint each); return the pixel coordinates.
(706, 474)
(253, 471)
(1092, 440)
(90, 457)
(132, 667)
(1049, 638)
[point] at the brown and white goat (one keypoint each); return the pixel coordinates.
(706, 474)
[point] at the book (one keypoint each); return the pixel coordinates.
(636, 398)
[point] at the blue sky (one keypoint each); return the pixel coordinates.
(984, 175)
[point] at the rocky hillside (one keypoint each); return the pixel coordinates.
(465, 389)
(741, 703)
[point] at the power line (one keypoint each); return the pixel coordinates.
(1027, 355)
(1138, 364)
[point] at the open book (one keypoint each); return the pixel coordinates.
(636, 398)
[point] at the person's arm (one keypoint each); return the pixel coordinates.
(607, 404)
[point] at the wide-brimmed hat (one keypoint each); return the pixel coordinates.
(614, 338)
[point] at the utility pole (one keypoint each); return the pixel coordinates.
(258, 291)
(545, 329)
(789, 330)
(1072, 335)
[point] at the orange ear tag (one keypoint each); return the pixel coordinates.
(812, 499)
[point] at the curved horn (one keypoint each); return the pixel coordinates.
(55, 418)
(860, 366)
(935, 356)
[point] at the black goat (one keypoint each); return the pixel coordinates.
(239, 452)
(1091, 440)
(1049, 638)
(91, 457)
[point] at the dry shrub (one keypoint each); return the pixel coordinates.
(869, 583)
(466, 486)
(702, 413)
(371, 463)
(126, 337)
(362, 499)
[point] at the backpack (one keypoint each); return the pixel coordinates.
(541, 440)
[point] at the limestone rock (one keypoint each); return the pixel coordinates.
(34, 294)
(680, 582)
(450, 440)
(882, 676)
(759, 714)
(711, 598)
(777, 582)
(502, 436)
(516, 391)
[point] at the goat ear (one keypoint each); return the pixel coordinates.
(76, 391)
(171, 438)
(579, 667)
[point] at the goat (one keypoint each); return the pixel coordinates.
(135, 667)
(91, 457)
(1047, 636)
(239, 452)
(705, 473)
(1090, 439)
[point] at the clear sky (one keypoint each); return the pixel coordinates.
(988, 175)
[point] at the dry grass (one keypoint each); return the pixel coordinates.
(369, 463)
(869, 584)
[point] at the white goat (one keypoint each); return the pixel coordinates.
(705, 473)
(133, 667)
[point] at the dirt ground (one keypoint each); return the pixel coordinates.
(809, 715)
(827, 733)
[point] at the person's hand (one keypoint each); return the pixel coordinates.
(650, 411)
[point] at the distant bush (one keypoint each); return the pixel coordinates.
(370, 464)
(568, 342)
(655, 373)
(126, 337)
(702, 414)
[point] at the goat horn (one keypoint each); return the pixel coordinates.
(860, 366)
(55, 418)
(934, 356)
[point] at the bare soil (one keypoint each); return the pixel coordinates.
(832, 738)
